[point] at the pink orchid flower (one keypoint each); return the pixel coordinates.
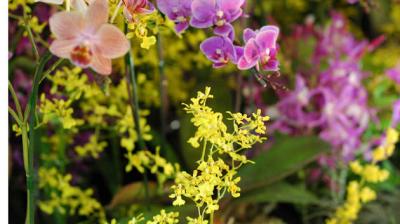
(260, 49)
(86, 38)
(134, 7)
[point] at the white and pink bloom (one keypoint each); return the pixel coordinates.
(86, 38)
(260, 49)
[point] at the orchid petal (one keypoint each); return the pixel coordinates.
(101, 64)
(63, 48)
(112, 42)
(66, 25)
(96, 15)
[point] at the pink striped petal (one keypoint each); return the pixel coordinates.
(101, 64)
(63, 48)
(112, 42)
(96, 15)
(66, 25)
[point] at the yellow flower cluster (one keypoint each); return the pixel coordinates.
(387, 148)
(14, 4)
(165, 218)
(97, 107)
(157, 165)
(92, 148)
(67, 198)
(357, 191)
(58, 110)
(140, 26)
(213, 177)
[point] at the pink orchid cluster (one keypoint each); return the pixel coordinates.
(259, 50)
(329, 101)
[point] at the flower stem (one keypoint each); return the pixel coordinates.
(163, 93)
(15, 99)
(28, 143)
(51, 69)
(30, 35)
(211, 217)
(129, 59)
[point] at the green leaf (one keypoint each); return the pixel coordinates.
(286, 156)
(280, 192)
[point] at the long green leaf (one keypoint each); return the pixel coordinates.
(279, 192)
(287, 155)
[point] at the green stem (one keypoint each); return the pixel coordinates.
(30, 35)
(163, 94)
(15, 98)
(15, 116)
(28, 144)
(211, 217)
(51, 69)
(129, 59)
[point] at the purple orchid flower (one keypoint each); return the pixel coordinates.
(220, 50)
(260, 49)
(218, 13)
(178, 11)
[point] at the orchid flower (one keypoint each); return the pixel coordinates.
(178, 11)
(86, 38)
(260, 49)
(135, 7)
(220, 50)
(218, 13)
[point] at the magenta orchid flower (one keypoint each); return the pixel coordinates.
(218, 13)
(260, 49)
(86, 38)
(220, 50)
(134, 7)
(178, 11)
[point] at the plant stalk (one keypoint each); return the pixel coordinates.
(163, 92)
(129, 59)
(28, 144)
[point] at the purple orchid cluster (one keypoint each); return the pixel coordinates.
(328, 98)
(259, 50)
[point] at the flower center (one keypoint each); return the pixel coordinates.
(266, 56)
(175, 10)
(220, 20)
(82, 55)
(181, 19)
